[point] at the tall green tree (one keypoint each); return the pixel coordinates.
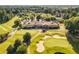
(72, 24)
(10, 49)
(27, 38)
(16, 44)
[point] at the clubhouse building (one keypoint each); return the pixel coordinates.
(41, 24)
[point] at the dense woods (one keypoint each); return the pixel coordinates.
(7, 12)
(73, 25)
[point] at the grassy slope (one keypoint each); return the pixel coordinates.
(53, 45)
(58, 45)
(4, 28)
(11, 40)
(7, 27)
(32, 47)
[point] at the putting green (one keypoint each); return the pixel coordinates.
(52, 45)
(58, 45)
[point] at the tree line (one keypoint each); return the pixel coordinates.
(7, 12)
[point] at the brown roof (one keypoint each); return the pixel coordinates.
(48, 23)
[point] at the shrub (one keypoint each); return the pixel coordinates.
(21, 49)
(10, 49)
(16, 45)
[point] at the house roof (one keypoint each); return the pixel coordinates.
(42, 23)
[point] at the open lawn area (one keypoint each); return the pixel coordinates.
(39, 29)
(18, 35)
(53, 41)
(7, 27)
(54, 45)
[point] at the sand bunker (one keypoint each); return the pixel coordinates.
(57, 36)
(40, 46)
(46, 37)
(54, 36)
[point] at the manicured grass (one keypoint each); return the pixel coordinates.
(56, 42)
(7, 27)
(32, 47)
(22, 32)
(58, 45)
(10, 23)
(2, 31)
(4, 28)
(56, 32)
(51, 45)
(18, 35)
(55, 49)
(3, 46)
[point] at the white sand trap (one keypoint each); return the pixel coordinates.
(40, 30)
(57, 36)
(54, 36)
(40, 46)
(46, 37)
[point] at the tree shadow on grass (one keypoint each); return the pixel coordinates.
(73, 42)
(59, 53)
